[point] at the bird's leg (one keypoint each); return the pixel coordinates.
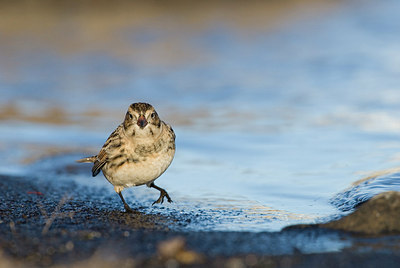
(126, 206)
(163, 194)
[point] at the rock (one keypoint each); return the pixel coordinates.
(379, 215)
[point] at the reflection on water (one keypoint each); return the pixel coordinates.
(274, 115)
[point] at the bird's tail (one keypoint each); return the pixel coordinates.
(90, 159)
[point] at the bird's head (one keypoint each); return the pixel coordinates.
(141, 121)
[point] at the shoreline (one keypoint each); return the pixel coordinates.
(41, 227)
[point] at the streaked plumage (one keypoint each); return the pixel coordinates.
(138, 151)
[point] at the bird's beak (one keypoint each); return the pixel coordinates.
(142, 122)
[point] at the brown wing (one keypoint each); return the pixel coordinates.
(101, 160)
(109, 147)
(172, 132)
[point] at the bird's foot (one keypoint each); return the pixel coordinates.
(126, 206)
(163, 194)
(128, 209)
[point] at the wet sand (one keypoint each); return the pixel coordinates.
(44, 223)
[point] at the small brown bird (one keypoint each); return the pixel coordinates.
(137, 152)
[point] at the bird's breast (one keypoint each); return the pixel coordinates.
(139, 170)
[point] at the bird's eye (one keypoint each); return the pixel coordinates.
(130, 116)
(153, 115)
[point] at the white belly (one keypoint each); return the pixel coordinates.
(139, 173)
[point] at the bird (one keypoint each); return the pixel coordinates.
(137, 152)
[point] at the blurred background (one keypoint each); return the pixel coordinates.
(277, 105)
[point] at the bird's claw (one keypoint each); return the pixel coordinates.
(160, 200)
(128, 209)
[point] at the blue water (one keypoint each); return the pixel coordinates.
(272, 123)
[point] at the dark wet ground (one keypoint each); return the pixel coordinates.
(41, 225)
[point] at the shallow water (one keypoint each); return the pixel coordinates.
(273, 117)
